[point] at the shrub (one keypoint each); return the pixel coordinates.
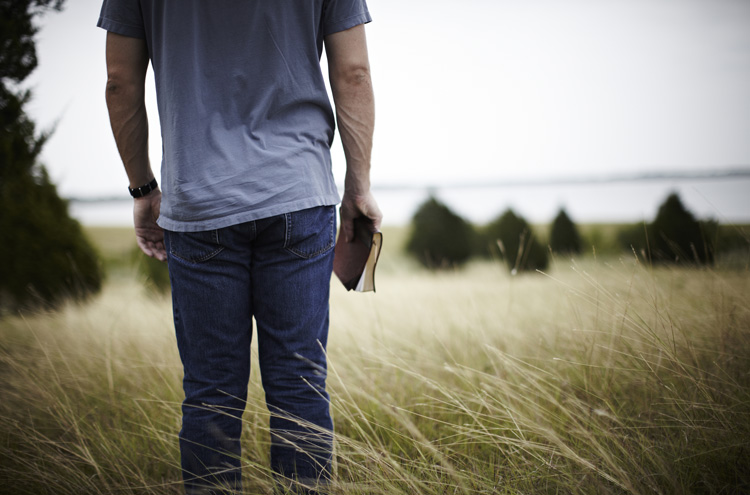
(439, 238)
(46, 258)
(564, 237)
(675, 236)
(514, 239)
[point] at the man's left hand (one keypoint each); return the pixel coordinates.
(148, 235)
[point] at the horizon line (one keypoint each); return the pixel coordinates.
(706, 174)
(725, 173)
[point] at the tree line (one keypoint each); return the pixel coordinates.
(440, 238)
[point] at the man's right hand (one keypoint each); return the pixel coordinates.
(355, 206)
(148, 235)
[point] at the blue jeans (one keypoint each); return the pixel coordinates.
(277, 270)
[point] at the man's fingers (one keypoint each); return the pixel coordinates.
(145, 248)
(159, 252)
(370, 210)
(153, 249)
(362, 206)
(376, 217)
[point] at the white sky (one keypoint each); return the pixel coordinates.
(477, 90)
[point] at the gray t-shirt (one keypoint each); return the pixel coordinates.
(245, 118)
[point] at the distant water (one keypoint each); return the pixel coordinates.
(724, 199)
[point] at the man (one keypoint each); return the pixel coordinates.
(247, 209)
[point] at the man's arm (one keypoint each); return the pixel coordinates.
(127, 61)
(351, 84)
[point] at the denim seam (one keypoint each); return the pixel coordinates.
(288, 233)
(198, 260)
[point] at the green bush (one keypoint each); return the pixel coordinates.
(564, 237)
(45, 256)
(439, 238)
(674, 236)
(513, 238)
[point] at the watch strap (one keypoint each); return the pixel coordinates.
(139, 192)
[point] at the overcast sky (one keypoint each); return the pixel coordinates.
(477, 90)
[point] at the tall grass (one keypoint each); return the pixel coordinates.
(600, 377)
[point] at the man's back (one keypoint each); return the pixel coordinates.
(245, 117)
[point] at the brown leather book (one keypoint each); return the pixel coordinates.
(354, 262)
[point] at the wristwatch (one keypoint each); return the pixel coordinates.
(139, 192)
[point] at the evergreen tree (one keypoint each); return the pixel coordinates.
(439, 237)
(676, 236)
(515, 241)
(46, 257)
(564, 237)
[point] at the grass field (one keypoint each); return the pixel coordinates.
(602, 376)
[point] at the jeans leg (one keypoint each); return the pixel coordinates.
(292, 264)
(210, 278)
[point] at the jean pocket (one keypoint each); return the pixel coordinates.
(194, 247)
(310, 232)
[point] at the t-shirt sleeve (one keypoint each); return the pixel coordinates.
(122, 17)
(340, 15)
